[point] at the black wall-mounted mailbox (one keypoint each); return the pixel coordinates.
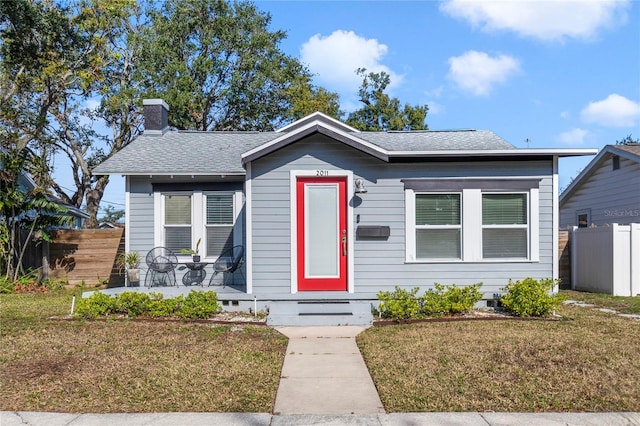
(373, 232)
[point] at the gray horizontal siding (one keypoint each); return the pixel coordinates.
(140, 215)
(606, 190)
(379, 265)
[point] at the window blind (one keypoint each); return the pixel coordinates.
(438, 209)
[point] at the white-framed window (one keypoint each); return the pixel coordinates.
(183, 218)
(505, 225)
(438, 226)
(472, 220)
(176, 226)
(219, 220)
(583, 218)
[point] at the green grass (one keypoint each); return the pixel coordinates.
(627, 305)
(587, 363)
(130, 366)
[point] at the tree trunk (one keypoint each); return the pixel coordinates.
(94, 196)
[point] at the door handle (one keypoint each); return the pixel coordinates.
(344, 246)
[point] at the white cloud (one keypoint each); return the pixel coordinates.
(573, 137)
(614, 111)
(544, 20)
(478, 72)
(435, 108)
(565, 115)
(335, 58)
(92, 104)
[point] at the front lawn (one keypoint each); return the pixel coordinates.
(589, 362)
(627, 305)
(131, 366)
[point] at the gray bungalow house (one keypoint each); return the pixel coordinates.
(329, 215)
(606, 191)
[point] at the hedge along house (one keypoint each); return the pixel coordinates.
(329, 216)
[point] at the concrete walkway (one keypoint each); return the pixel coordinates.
(324, 373)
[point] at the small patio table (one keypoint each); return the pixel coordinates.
(196, 273)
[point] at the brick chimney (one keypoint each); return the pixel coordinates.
(156, 117)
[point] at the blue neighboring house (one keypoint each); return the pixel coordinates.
(606, 191)
(329, 215)
(26, 183)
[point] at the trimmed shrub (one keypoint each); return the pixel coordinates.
(400, 304)
(433, 304)
(132, 304)
(199, 305)
(460, 299)
(159, 307)
(96, 305)
(441, 300)
(531, 298)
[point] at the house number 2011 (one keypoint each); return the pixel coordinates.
(322, 172)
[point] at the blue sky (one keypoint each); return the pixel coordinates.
(562, 74)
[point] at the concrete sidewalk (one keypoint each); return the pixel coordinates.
(264, 419)
(324, 373)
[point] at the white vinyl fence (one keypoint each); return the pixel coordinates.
(606, 259)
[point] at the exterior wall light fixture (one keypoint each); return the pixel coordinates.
(360, 189)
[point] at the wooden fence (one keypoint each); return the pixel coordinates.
(88, 255)
(564, 260)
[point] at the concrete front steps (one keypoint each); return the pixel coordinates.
(319, 312)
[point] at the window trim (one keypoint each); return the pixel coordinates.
(471, 205)
(459, 227)
(525, 226)
(198, 218)
(164, 225)
(581, 212)
(205, 225)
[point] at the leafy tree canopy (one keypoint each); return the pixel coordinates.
(628, 140)
(218, 65)
(381, 112)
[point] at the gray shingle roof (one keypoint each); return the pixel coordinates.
(188, 152)
(451, 140)
(181, 152)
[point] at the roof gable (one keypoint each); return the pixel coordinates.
(317, 117)
(309, 127)
(630, 152)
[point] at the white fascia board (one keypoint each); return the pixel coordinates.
(497, 153)
(301, 130)
(622, 153)
(586, 172)
(151, 174)
(312, 117)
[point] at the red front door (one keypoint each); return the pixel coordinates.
(322, 233)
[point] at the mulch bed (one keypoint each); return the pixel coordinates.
(226, 318)
(473, 316)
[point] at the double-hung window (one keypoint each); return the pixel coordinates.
(219, 223)
(177, 230)
(473, 220)
(438, 226)
(505, 225)
(207, 220)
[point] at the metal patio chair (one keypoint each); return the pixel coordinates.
(162, 264)
(229, 261)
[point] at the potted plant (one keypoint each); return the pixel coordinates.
(130, 262)
(195, 253)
